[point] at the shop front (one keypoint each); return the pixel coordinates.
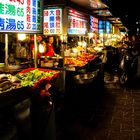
(72, 25)
(19, 17)
(22, 84)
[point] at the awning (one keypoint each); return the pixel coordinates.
(100, 10)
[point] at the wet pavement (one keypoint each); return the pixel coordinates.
(109, 113)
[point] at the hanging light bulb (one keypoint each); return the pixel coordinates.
(21, 37)
(41, 48)
(79, 43)
(90, 35)
(84, 44)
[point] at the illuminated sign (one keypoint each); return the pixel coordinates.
(21, 16)
(104, 26)
(93, 24)
(108, 27)
(77, 22)
(52, 21)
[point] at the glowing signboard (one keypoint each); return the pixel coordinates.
(21, 16)
(108, 27)
(93, 24)
(104, 26)
(77, 22)
(52, 21)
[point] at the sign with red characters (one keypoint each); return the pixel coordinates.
(52, 21)
(77, 22)
(93, 24)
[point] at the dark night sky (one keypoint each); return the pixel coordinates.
(127, 10)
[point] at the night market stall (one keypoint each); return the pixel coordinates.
(74, 35)
(81, 66)
(19, 84)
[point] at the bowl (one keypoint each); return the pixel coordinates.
(85, 78)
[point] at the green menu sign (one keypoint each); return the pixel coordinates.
(21, 16)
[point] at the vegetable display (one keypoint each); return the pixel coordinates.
(33, 76)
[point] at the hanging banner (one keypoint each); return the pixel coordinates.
(52, 21)
(21, 16)
(93, 24)
(77, 22)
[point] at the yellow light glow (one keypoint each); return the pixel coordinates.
(75, 50)
(41, 48)
(90, 35)
(101, 34)
(84, 44)
(79, 43)
(21, 37)
(62, 38)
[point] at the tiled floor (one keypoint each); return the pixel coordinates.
(110, 114)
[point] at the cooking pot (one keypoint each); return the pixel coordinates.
(85, 78)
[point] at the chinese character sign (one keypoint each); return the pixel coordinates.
(52, 21)
(21, 16)
(93, 24)
(77, 22)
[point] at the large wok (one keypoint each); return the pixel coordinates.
(85, 78)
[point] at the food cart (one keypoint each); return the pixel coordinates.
(24, 18)
(74, 41)
(16, 17)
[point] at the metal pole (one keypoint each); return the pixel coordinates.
(63, 69)
(104, 32)
(6, 50)
(35, 51)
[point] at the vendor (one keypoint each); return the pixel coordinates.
(48, 47)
